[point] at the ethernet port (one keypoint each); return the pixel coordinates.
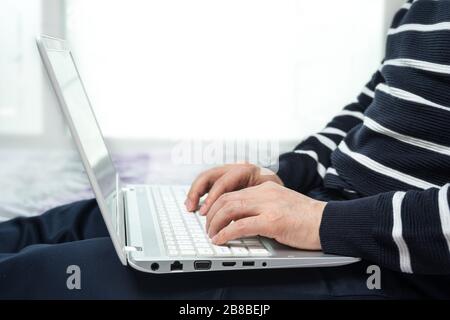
(176, 266)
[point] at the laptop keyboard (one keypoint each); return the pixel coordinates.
(184, 232)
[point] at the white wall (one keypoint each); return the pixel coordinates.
(215, 69)
(192, 69)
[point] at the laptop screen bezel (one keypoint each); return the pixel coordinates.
(109, 206)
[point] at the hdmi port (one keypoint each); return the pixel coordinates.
(228, 264)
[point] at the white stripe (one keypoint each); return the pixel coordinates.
(408, 96)
(444, 212)
(418, 64)
(368, 92)
(397, 230)
(355, 114)
(327, 142)
(406, 6)
(420, 27)
(332, 171)
(384, 170)
(375, 126)
(331, 130)
(320, 167)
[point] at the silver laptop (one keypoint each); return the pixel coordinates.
(148, 224)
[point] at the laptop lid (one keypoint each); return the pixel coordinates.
(76, 107)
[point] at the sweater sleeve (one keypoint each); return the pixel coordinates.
(304, 168)
(403, 231)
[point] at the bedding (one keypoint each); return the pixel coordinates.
(32, 182)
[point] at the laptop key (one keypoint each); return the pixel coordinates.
(205, 251)
(239, 251)
(222, 250)
(234, 242)
(188, 252)
(198, 236)
(184, 242)
(202, 245)
(186, 247)
(258, 252)
(252, 242)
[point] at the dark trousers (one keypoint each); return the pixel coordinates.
(36, 252)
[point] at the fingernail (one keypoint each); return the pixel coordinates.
(188, 204)
(214, 239)
(202, 210)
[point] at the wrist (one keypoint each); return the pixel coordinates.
(268, 175)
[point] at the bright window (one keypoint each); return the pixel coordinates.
(223, 69)
(20, 78)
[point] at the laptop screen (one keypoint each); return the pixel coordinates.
(85, 131)
(84, 121)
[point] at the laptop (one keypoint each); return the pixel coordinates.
(148, 224)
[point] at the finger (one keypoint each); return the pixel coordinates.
(230, 181)
(241, 195)
(247, 227)
(233, 211)
(201, 185)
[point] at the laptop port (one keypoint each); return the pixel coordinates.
(248, 263)
(176, 266)
(202, 265)
(154, 266)
(228, 264)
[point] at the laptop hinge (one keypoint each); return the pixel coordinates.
(132, 241)
(120, 214)
(132, 249)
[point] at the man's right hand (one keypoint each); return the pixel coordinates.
(227, 178)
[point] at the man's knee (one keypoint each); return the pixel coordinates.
(77, 221)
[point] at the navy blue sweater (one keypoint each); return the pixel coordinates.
(390, 151)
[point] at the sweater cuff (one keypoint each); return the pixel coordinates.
(349, 227)
(284, 173)
(298, 171)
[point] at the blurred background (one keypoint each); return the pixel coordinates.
(161, 71)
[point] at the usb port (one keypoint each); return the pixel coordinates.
(248, 263)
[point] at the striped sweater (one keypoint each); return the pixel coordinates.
(389, 153)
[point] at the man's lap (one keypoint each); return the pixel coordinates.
(39, 271)
(35, 265)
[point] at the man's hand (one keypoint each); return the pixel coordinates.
(269, 210)
(220, 180)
